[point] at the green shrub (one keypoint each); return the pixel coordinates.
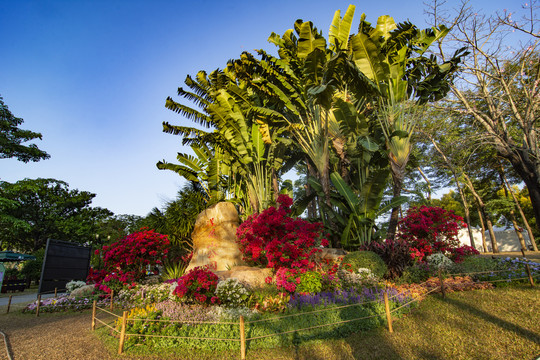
(31, 269)
(232, 293)
(473, 264)
(416, 274)
(310, 282)
(143, 295)
(366, 260)
(11, 273)
(439, 261)
(264, 325)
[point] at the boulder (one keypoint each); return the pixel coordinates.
(251, 277)
(214, 238)
(83, 291)
(329, 254)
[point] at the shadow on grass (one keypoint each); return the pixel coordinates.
(329, 343)
(518, 330)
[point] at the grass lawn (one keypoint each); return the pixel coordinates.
(503, 323)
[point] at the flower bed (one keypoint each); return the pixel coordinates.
(508, 270)
(307, 317)
(63, 303)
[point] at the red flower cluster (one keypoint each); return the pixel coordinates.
(288, 279)
(198, 286)
(430, 230)
(274, 239)
(459, 253)
(126, 260)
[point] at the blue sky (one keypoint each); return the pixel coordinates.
(93, 76)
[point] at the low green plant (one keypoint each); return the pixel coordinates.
(74, 285)
(473, 264)
(366, 260)
(263, 324)
(142, 295)
(31, 270)
(173, 271)
(11, 273)
(231, 293)
(416, 274)
(357, 280)
(439, 261)
(310, 282)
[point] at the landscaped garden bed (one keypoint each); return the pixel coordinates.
(305, 300)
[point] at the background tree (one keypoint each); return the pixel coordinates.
(32, 211)
(177, 218)
(12, 138)
(498, 91)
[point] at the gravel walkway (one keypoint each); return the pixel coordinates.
(51, 337)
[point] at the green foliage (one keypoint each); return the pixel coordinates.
(232, 294)
(416, 274)
(144, 295)
(472, 264)
(310, 282)
(74, 285)
(439, 261)
(367, 260)
(48, 209)
(11, 273)
(173, 271)
(177, 219)
(231, 331)
(364, 208)
(11, 138)
(31, 269)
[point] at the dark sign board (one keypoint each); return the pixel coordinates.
(64, 261)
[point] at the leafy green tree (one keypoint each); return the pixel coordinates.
(177, 218)
(393, 57)
(240, 158)
(32, 211)
(115, 227)
(12, 138)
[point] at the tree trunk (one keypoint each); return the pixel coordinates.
(484, 243)
(461, 193)
(325, 182)
(517, 228)
(482, 206)
(527, 171)
(427, 182)
(398, 174)
(275, 185)
(516, 201)
(494, 246)
(312, 206)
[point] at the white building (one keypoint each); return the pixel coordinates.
(507, 240)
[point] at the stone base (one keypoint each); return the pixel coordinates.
(251, 277)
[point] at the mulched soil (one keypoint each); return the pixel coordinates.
(51, 337)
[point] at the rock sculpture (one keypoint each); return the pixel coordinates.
(214, 238)
(251, 277)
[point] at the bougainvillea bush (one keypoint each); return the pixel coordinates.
(275, 239)
(126, 261)
(198, 286)
(430, 230)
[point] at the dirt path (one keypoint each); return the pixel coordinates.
(51, 337)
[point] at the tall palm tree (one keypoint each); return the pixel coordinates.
(393, 57)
